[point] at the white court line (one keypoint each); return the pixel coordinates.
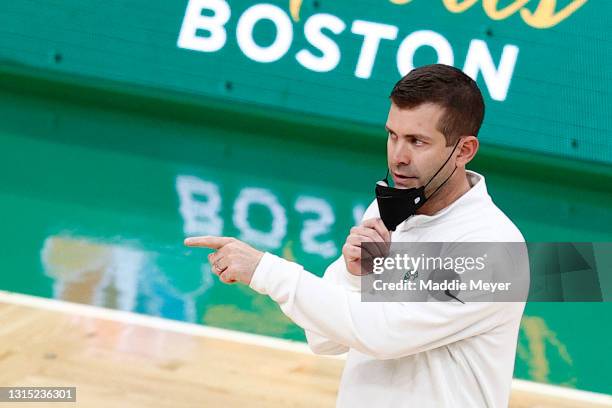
(544, 390)
(153, 322)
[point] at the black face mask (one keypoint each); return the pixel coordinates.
(397, 204)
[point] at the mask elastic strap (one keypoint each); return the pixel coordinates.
(444, 182)
(441, 167)
(386, 179)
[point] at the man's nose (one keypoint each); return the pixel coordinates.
(400, 154)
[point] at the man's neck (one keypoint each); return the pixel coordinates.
(450, 192)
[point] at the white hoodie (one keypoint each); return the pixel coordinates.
(408, 354)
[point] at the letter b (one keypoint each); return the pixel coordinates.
(194, 21)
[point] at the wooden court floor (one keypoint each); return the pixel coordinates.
(119, 359)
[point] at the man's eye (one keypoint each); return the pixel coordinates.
(418, 142)
(391, 135)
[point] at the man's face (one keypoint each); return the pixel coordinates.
(415, 148)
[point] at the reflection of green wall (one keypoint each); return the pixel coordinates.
(86, 170)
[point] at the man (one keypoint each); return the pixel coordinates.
(416, 354)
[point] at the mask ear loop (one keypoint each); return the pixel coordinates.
(444, 182)
(441, 167)
(386, 179)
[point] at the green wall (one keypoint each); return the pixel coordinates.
(542, 64)
(115, 144)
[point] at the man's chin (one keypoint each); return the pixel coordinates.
(402, 186)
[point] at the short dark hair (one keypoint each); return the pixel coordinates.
(449, 88)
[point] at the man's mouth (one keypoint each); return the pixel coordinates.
(402, 177)
(402, 181)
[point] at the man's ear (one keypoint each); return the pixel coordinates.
(467, 150)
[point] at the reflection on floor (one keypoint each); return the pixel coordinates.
(116, 358)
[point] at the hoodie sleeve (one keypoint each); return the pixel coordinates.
(337, 319)
(337, 274)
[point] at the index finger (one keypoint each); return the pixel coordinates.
(208, 242)
(379, 226)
